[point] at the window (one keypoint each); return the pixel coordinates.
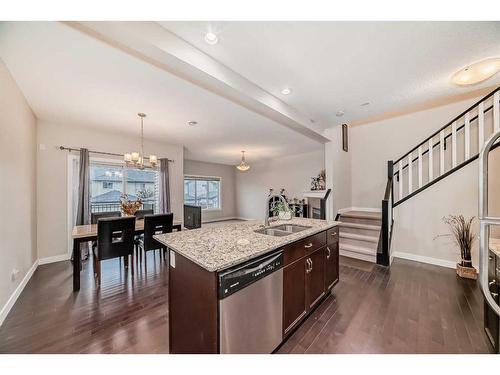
(108, 181)
(202, 191)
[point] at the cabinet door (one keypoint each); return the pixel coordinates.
(294, 294)
(315, 277)
(331, 264)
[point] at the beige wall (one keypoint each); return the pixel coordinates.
(228, 192)
(290, 172)
(52, 177)
(418, 224)
(373, 144)
(338, 172)
(17, 186)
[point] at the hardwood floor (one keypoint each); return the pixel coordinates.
(411, 308)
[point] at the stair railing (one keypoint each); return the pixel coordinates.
(384, 243)
(485, 221)
(449, 161)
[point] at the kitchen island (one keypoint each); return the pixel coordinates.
(281, 277)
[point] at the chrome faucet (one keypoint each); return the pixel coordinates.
(266, 218)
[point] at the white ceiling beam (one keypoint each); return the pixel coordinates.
(152, 43)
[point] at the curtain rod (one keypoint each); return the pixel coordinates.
(69, 149)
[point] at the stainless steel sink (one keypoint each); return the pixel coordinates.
(272, 232)
(291, 228)
(282, 230)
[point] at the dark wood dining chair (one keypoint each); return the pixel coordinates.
(115, 239)
(94, 216)
(155, 224)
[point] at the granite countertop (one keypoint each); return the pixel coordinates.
(495, 245)
(218, 247)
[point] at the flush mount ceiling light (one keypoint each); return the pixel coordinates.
(211, 38)
(340, 113)
(243, 166)
(478, 72)
(136, 159)
(192, 123)
(286, 91)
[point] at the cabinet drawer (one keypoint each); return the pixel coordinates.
(304, 247)
(332, 235)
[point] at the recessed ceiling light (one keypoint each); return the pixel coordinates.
(340, 113)
(286, 91)
(478, 72)
(365, 104)
(192, 123)
(211, 38)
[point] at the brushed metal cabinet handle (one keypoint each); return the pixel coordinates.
(490, 257)
(495, 295)
(334, 234)
(498, 269)
(492, 282)
(329, 252)
(308, 245)
(307, 266)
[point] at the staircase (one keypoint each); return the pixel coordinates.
(447, 150)
(359, 234)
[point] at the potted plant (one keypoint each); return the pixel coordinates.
(129, 207)
(461, 231)
(282, 211)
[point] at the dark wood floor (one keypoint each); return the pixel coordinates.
(411, 308)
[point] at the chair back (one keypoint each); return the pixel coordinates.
(141, 213)
(156, 224)
(101, 215)
(115, 237)
(192, 216)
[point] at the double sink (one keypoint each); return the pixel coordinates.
(282, 230)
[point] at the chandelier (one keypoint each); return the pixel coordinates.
(136, 159)
(243, 166)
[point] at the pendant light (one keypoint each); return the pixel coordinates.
(136, 159)
(243, 166)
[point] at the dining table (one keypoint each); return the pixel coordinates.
(88, 232)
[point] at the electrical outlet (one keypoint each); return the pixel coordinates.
(14, 274)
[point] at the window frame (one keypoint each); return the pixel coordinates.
(71, 208)
(202, 178)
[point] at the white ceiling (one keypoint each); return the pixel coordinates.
(70, 78)
(333, 66)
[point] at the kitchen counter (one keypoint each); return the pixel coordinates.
(495, 246)
(216, 248)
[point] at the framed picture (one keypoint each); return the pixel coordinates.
(345, 138)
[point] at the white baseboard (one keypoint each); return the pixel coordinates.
(53, 259)
(424, 259)
(365, 209)
(17, 292)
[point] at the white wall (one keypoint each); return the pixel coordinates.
(373, 144)
(290, 172)
(228, 191)
(52, 176)
(418, 221)
(17, 187)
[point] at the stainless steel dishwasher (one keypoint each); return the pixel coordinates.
(251, 306)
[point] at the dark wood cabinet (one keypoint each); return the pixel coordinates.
(491, 320)
(315, 277)
(294, 294)
(331, 265)
(311, 269)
